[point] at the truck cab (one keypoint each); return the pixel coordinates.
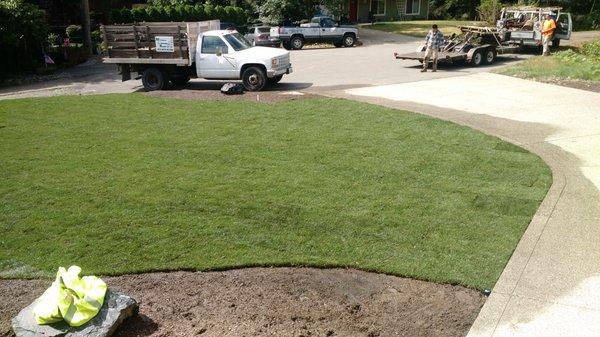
(523, 25)
(223, 54)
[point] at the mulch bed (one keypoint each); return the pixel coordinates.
(277, 302)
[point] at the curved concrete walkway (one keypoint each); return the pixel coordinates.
(550, 286)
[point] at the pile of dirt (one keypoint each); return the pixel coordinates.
(277, 302)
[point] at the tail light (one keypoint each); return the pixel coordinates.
(280, 30)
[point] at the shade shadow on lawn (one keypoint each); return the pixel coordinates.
(129, 183)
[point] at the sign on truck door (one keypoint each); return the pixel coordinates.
(213, 61)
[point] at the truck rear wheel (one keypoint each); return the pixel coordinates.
(297, 42)
(349, 40)
(154, 79)
(254, 79)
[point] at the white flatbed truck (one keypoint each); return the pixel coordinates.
(173, 52)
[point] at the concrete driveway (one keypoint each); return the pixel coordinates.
(550, 285)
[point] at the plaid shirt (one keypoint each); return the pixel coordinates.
(435, 40)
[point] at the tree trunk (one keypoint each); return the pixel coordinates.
(85, 26)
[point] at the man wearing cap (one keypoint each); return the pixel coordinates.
(548, 28)
(434, 42)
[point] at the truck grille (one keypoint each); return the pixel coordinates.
(284, 61)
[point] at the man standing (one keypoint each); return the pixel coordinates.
(434, 42)
(548, 28)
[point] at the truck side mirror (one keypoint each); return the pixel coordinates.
(219, 51)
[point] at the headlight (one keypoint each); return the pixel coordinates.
(274, 62)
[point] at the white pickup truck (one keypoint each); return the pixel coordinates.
(523, 24)
(321, 29)
(172, 52)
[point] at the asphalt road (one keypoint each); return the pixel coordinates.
(371, 64)
(315, 70)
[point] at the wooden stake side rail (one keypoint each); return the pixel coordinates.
(136, 43)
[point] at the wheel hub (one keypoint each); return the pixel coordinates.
(152, 79)
(253, 79)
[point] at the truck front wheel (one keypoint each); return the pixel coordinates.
(349, 40)
(154, 79)
(254, 79)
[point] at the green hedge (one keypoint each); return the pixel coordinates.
(587, 22)
(23, 30)
(196, 12)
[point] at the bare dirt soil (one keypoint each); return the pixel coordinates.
(571, 83)
(577, 84)
(277, 302)
(211, 91)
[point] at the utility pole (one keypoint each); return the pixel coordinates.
(85, 26)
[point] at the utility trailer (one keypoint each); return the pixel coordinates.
(173, 52)
(475, 46)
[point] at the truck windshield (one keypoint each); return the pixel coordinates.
(237, 41)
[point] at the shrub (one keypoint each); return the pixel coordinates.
(209, 10)
(53, 39)
(591, 49)
(180, 12)
(23, 31)
(73, 31)
(220, 13)
(199, 12)
(139, 14)
(587, 22)
(489, 10)
(115, 16)
(126, 15)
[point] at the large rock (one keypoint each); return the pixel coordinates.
(116, 308)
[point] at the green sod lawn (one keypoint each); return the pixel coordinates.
(566, 64)
(130, 183)
(419, 28)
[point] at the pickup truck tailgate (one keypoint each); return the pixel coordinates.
(274, 32)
